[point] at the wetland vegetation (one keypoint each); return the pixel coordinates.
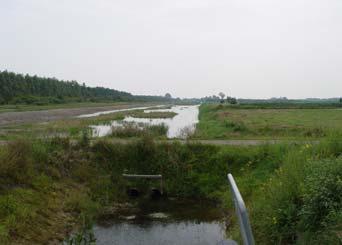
(154, 114)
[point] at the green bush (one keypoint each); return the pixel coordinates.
(322, 199)
(301, 201)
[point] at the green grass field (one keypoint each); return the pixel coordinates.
(226, 122)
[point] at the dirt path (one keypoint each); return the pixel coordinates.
(8, 118)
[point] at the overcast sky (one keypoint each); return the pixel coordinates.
(190, 48)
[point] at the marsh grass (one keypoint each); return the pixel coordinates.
(139, 130)
(16, 165)
(161, 107)
(153, 114)
(186, 132)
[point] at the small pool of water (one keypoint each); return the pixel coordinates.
(164, 223)
(179, 126)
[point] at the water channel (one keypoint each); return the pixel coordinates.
(179, 126)
(164, 222)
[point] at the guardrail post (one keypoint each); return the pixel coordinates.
(241, 212)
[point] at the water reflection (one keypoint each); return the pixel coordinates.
(158, 232)
(164, 222)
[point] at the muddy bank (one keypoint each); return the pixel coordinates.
(8, 118)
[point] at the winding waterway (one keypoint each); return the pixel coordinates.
(179, 126)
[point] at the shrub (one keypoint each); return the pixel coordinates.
(277, 202)
(297, 203)
(322, 190)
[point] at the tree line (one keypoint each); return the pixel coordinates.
(25, 89)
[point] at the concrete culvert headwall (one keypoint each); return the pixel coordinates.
(154, 192)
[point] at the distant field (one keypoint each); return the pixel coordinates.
(226, 122)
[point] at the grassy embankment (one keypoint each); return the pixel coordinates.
(252, 122)
(292, 191)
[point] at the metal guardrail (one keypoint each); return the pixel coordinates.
(241, 212)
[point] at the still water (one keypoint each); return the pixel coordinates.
(188, 233)
(178, 127)
(174, 223)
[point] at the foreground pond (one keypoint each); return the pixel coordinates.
(180, 126)
(164, 222)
